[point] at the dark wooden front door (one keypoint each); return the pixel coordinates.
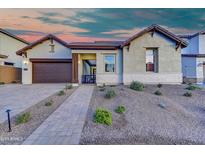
(55, 72)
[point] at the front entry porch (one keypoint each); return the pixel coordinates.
(89, 72)
(84, 68)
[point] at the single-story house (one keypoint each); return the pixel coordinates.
(151, 56)
(193, 58)
(10, 63)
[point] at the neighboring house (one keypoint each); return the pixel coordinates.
(9, 44)
(10, 63)
(151, 56)
(193, 58)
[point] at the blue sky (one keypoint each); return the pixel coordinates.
(100, 24)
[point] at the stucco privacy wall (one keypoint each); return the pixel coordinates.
(101, 75)
(9, 74)
(43, 51)
(9, 46)
(169, 60)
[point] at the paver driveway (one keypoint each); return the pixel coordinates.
(19, 97)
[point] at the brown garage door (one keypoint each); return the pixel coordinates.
(52, 72)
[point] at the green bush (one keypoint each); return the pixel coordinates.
(61, 93)
(120, 109)
(68, 86)
(1, 83)
(49, 103)
(193, 87)
(24, 118)
(138, 86)
(103, 116)
(188, 94)
(159, 85)
(158, 93)
(110, 94)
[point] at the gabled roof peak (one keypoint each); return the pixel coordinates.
(155, 27)
(45, 38)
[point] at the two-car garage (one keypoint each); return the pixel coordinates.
(51, 70)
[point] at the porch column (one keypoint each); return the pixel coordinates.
(74, 68)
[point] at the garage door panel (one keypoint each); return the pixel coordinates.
(52, 72)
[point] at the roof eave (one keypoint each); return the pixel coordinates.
(14, 36)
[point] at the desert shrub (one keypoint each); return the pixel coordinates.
(24, 118)
(68, 86)
(1, 83)
(158, 93)
(159, 85)
(110, 94)
(187, 94)
(61, 93)
(138, 86)
(49, 103)
(193, 87)
(120, 109)
(103, 116)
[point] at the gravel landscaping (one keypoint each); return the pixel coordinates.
(38, 112)
(169, 118)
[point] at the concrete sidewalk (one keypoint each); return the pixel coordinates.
(65, 125)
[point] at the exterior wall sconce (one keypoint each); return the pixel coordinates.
(25, 62)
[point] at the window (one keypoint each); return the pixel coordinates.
(109, 63)
(9, 63)
(152, 60)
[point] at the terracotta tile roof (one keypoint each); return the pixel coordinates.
(107, 45)
(97, 45)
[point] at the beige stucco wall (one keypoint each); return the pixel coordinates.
(102, 76)
(9, 46)
(43, 51)
(134, 60)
